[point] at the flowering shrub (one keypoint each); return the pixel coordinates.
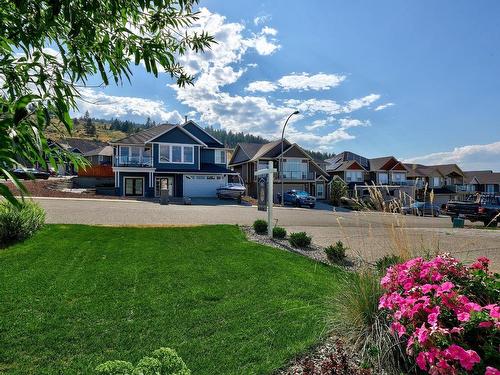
(447, 313)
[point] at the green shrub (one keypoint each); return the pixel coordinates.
(279, 232)
(115, 368)
(19, 223)
(336, 253)
(171, 363)
(148, 366)
(356, 318)
(260, 226)
(300, 239)
(387, 261)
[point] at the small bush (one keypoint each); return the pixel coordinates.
(300, 239)
(336, 253)
(148, 366)
(260, 226)
(279, 232)
(171, 363)
(163, 361)
(115, 368)
(387, 261)
(19, 223)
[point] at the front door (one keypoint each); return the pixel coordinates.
(168, 182)
(320, 192)
(134, 186)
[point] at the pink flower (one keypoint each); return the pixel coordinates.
(491, 371)
(446, 286)
(467, 358)
(495, 312)
(463, 317)
(485, 324)
(422, 334)
(457, 330)
(421, 362)
(399, 328)
(426, 288)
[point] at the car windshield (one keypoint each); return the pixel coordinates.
(302, 193)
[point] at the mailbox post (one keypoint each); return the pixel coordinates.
(270, 180)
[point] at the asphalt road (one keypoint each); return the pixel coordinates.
(369, 235)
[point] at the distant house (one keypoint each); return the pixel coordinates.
(100, 156)
(184, 158)
(482, 181)
(299, 172)
(357, 169)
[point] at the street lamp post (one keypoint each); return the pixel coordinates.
(281, 157)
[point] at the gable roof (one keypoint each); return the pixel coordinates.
(377, 164)
(447, 169)
(141, 137)
(419, 170)
(215, 142)
(482, 177)
(80, 144)
(148, 135)
(103, 151)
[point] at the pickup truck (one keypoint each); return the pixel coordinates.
(478, 207)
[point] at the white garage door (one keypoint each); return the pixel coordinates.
(202, 185)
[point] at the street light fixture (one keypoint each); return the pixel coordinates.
(281, 157)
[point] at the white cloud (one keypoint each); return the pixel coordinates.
(316, 124)
(261, 19)
(355, 104)
(471, 157)
(305, 81)
(262, 86)
(263, 45)
(347, 123)
(102, 105)
(319, 142)
(269, 31)
(384, 106)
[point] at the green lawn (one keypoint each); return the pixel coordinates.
(74, 296)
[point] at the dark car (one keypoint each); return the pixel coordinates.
(30, 173)
(422, 209)
(476, 207)
(298, 198)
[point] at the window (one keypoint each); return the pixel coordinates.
(354, 176)
(398, 176)
(383, 178)
(436, 181)
(134, 186)
(176, 154)
(220, 156)
(295, 169)
(319, 190)
(188, 154)
(164, 154)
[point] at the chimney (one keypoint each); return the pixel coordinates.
(185, 119)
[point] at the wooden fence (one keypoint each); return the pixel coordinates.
(96, 171)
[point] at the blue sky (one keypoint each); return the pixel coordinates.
(416, 79)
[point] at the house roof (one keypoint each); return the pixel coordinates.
(419, 170)
(250, 149)
(482, 177)
(145, 135)
(256, 151)
(103, 151)
(447, 169)
(80, 144)
(376, 164)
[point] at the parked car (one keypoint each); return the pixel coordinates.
(483, 207)
(29, 173)
(422, 209)
(298, 198)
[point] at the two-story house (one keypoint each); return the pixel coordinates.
(185, 158)
(355, 169)
(299, 172)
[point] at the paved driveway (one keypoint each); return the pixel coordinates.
(367, 234)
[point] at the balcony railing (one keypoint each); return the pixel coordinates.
(133, 161)
(297, 175)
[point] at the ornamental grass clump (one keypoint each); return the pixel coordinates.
(447, 314)
(18, 223)
(336, 253)
(279, 232)
(300, 239)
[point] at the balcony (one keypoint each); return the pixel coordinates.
(297, 175)
(133, 161)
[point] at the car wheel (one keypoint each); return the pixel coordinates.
(311, 206)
